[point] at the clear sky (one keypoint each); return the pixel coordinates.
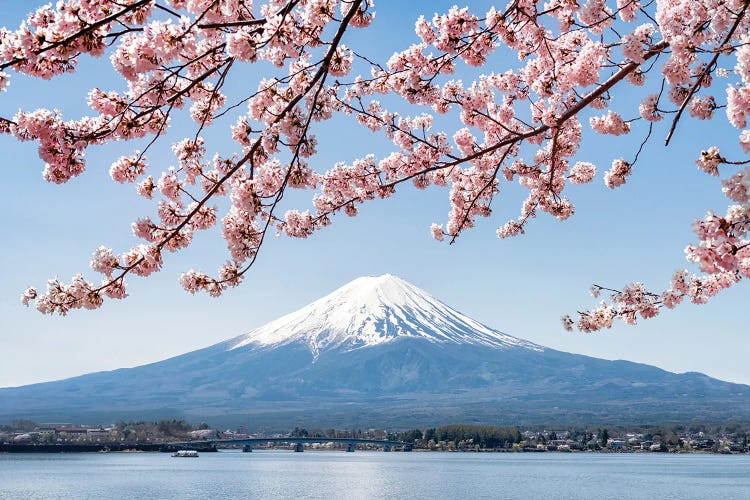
(520, 286)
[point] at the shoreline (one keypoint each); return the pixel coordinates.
(163, 448)
(96, 448)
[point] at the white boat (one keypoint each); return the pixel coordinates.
(185, 454)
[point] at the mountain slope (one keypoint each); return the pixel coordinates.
(380, 351)
(374, 310)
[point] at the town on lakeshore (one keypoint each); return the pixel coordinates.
(170, 435)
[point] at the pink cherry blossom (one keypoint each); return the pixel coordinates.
(611, 123)
(582, 172)
(649, 109)
(128, 168)
(618, 174)
(514, 120)
(709, 160)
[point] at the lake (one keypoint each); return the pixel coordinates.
(370, 474)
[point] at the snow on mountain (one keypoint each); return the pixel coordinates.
(380, 352)
(374, 310)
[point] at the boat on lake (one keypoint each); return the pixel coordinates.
(185, 454)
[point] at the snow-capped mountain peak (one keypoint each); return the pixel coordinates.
(373, 310)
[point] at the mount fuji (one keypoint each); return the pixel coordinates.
(372, 311)
(381, 352)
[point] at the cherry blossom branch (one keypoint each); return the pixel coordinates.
(84, 31)
(704, 74)
(319, 76)
(571, 58)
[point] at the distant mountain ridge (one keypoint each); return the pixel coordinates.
(381, 352)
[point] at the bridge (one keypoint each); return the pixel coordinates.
(298, 443)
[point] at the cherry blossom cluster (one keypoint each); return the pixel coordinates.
(169, 62)
(611, 124)
(722, 254)
(522, 121)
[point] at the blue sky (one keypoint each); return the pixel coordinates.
(520, 286)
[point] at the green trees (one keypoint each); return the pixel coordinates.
(173, 427)
(484, 436)
(297, 432)
(410, 436)
(604, 437)
(460, 436)
(430, 434)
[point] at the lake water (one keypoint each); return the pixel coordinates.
(337, 474)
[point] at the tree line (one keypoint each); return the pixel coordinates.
(484, 436)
